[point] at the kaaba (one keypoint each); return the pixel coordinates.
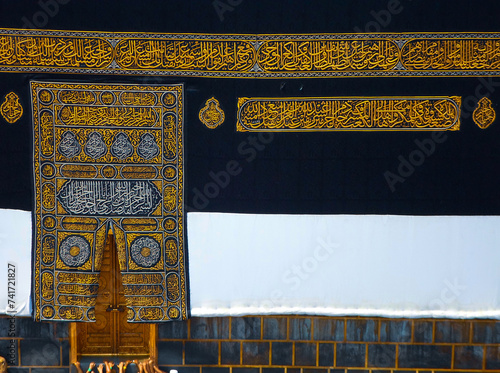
(230, 186)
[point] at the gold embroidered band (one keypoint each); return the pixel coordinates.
(264, 56)
(349, 114)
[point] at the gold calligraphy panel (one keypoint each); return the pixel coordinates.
(229, 55)
(349, 114)
(54, 52)
(328, 55)
(108, 156)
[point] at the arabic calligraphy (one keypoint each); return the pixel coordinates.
(331, 55)
(108, 145)
(187, 55)
(11, 109)
(484, 115)
(109, 197)
(108, 116)
(337, 114)
(266, 56)
(211, 115)
(451, 54)
(55, 51)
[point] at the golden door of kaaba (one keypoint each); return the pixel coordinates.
(111, 334)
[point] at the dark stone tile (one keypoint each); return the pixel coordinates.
(381, 371)
(293, 370)
(4, 325)
(338, 371)
(300, 329)
(51, 370)
(314, 370)
(213, 370)
(18, 370)
(486, 332)
(493, 357)
(358, 371)
(351, 355)
(395, 331)
(362, 330)
(5, 351)
(282, 353)
(210, 328)
(422, 332)
(202, 353)
(65, 352)
(275, 328)
(468, 357)
(230, 353)
(452, 332)
(62, 330)
(169, 353)
(419, 356)
(173, 330)
(39, 352)
(245, 328)
(329, 329)
(27, 328)
(255, 353)
(273, 370)
(305, 354)
(245, 370)
(325, 354)
(382, 356)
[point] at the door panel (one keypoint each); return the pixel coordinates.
(111, 334)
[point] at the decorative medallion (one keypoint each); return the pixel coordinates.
(145, 251)
(122, 147)
(11, 109)
(69, 145)
(148, 149)
(211, 115)
(74, 251)
(484, 114)
(95, 146)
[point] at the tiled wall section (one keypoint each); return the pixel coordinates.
(292, 344)
(288, 344)
(40, 347)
